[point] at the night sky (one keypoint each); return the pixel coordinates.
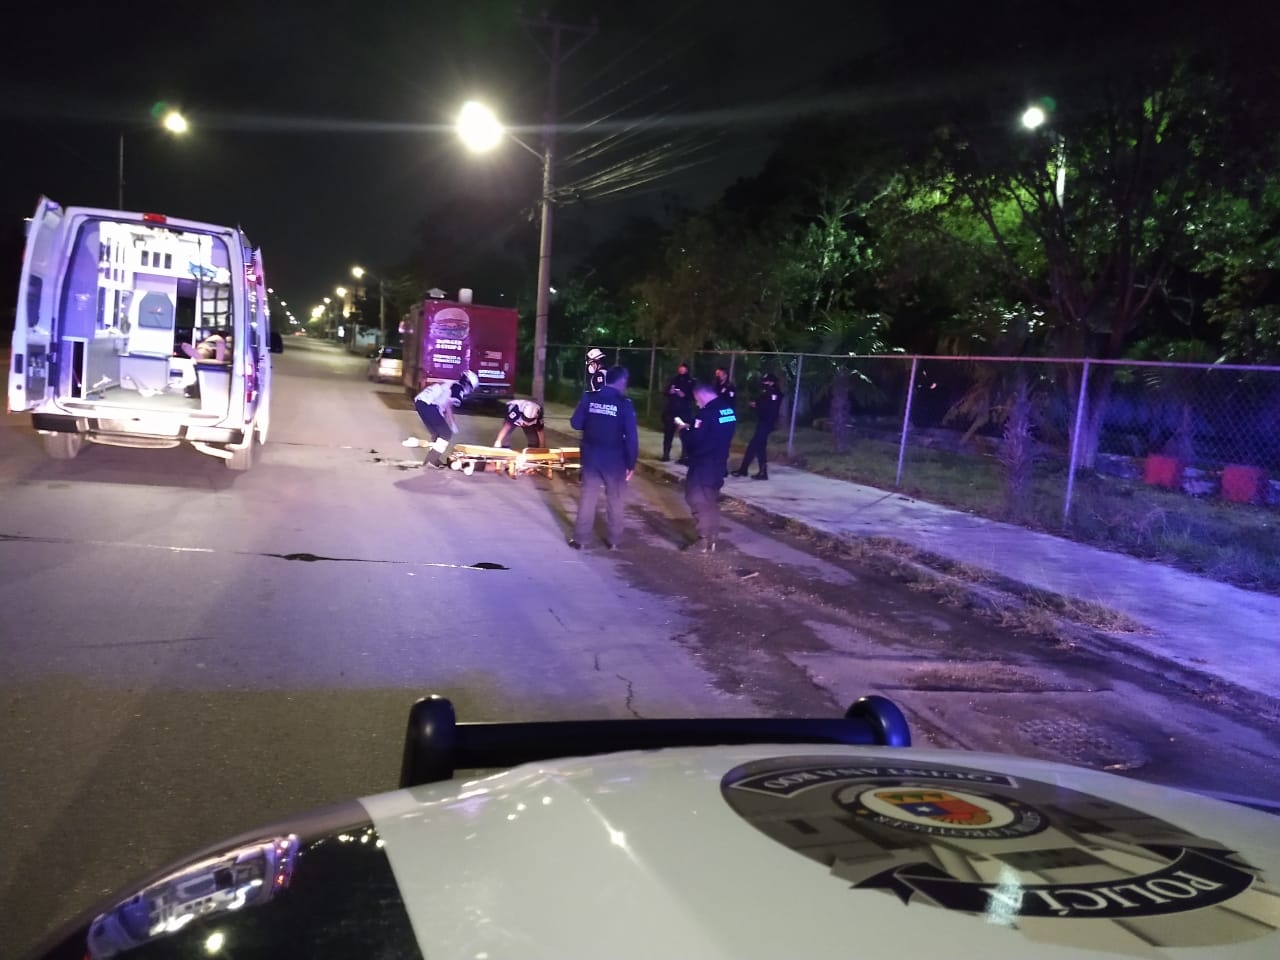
(323, 128)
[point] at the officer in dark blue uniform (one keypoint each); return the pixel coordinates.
(767, 405)
(725, 388)
(727, 392)
(706, 441)
(678, 405)
(610, 449)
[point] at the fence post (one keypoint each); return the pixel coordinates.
(1078, 428)
(795, 405)
(653, 365)
(732, 356)
(906, 419)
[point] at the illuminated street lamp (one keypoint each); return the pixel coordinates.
(340, 291)
(478, 127)
(480, 131)
(1035, 117)
(360, 273)
(174, 122)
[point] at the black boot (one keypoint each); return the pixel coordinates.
(740, 472)
(762, 475)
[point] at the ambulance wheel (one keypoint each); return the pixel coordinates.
(469, 468)
(63, 446)
(241, 460)
(455, 464)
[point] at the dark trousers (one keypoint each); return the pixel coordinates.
(614, 484)
(669, 431)
(438, 427)
(703, 497)
(758, 449)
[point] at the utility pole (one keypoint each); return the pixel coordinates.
(556, 56)
(120, 174)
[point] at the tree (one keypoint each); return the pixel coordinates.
(1142, 161)
(1236, 246)
(713, 288)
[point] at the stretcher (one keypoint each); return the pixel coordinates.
(471, 457)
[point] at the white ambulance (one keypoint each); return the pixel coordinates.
(140, 330)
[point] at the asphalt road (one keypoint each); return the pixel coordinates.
(188, 651)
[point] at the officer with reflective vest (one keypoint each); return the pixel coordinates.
(610, 449)
(528, 416)
(595, 369)
(767, 405)
(435, 408)
(706, 443)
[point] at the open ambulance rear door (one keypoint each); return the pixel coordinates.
(33, 333)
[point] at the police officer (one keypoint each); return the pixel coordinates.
(435, 408)
(767, 404)
(595, 369)
(610, 449)
(727, 392)
(528, 416)
(678, 405)
(707, 441)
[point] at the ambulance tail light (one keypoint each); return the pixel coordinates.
(154, 218)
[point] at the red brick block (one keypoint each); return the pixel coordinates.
(1162, 471)
(1242, 484)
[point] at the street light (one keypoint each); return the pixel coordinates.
(478, 127)
(174, 122)
(360, 273)
(340, 291)
(480, 130)
(1033, 118)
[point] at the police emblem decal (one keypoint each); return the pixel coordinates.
(1016, 852)
(944, 813)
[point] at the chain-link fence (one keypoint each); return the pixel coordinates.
(1040, 440)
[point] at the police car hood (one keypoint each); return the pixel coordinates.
(827, 851)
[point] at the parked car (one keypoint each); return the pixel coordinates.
(386, 363)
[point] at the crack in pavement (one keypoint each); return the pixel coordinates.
(631, 696)
(141, 643)
(302, 557)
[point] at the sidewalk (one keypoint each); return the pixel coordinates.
(1210, 627)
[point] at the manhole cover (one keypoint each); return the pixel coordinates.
(1077, 742)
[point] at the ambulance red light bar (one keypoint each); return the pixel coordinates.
(154, 218)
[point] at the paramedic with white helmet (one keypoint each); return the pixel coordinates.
(435, 407)
(528, 415)
(595, 369)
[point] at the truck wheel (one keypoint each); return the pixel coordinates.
(241, 460)
(63, 446)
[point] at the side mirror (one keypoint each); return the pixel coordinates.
(277, 342)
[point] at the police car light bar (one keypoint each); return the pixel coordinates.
(436, 744)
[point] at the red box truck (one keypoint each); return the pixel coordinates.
(442, 338)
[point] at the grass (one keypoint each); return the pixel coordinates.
(1231, 543)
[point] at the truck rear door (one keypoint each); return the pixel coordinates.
(33, 328)
(493, 351)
